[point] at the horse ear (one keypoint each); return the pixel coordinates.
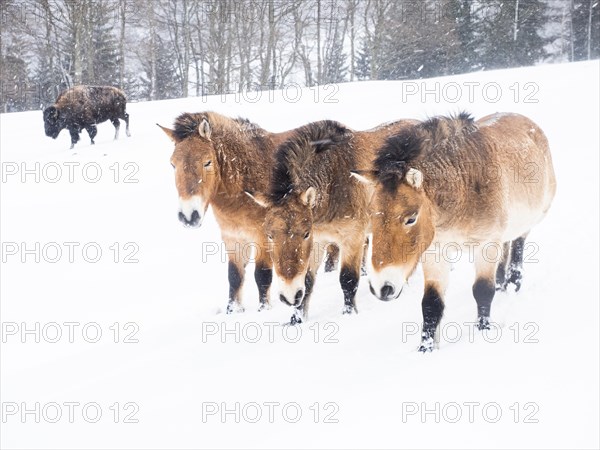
(204, 129)
(309, 197)
(367, 177)
(169, 132)
(414, 177)
(260, 199)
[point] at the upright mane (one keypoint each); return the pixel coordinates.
(440, 134)
(299, 151)
(187, 124)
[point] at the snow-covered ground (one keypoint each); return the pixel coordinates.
(180, 368)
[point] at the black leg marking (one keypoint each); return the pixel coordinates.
(301, 311)
(235, 283)
(483, 291)
(502, 268)
(515, 268)
(263, 276)
(433, 310)
(349, 283)
(333, 256)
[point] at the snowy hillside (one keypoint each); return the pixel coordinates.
(170, 368)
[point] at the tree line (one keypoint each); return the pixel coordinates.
(162, 49)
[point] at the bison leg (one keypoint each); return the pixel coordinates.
(92, 131)
(126, 119)
(117, 125)
(74, 136)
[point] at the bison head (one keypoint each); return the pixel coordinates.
(52, 124)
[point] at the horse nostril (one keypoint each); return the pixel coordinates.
(284, 300)
(298, 297)
(387, 291)
(194, 220)
(371, 289)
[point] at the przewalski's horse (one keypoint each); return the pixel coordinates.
(313, 202)
(451, 180)
(216, 159)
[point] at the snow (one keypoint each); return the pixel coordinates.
(539, 363)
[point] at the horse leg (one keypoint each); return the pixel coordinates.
(92, 131)
(436, 280)
(332, 259)
(363, 265)
(235, 272)
(352, 256)
(484, 288)
(117, 125)
(263, 275)
(301, 312)
(501, 279)
(515, 265)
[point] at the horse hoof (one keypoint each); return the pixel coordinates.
(234, 308)
(426, 346)
(349, 309)
(264, 307)
(483, 323)
(295, 320)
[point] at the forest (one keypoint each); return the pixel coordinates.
(164, 49)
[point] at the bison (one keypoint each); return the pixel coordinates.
(83, 107)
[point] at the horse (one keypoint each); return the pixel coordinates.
(216, 159)
(313, 202)
(451, 181)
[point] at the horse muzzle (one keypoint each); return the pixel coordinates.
(387, 292)
(194, 221)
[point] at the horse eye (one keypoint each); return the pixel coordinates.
(306, 235)
(411, 220)
(207, 164)
(269, 237)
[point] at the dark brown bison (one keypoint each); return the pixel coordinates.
(83, 107)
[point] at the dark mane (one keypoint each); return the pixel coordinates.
(299, 150)
(187, 124)
(437, 134)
